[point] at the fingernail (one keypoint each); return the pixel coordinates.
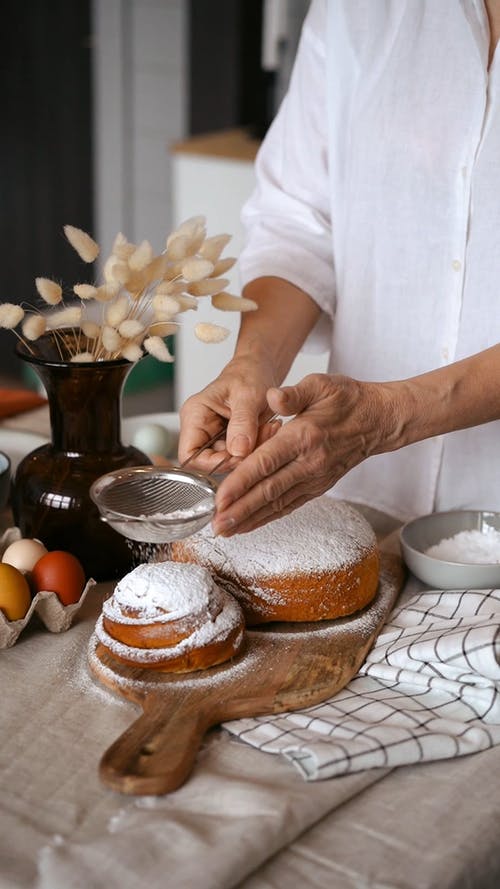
(220, 526)
(240, 445)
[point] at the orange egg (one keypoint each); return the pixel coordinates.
(15, 596)
(60, 572)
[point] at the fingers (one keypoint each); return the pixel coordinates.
(290, 400)
(294, 497)
(218, 459)
(211, 459)
(199, 422)
(333, 427)
(242, 431)
(273, 480)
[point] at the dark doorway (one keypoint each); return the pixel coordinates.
(228, 87)
(46, 148)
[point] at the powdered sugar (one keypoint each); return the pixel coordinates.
(203, 507)
(322, 535)
(164, 589)
(469, 547)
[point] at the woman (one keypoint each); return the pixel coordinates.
(375, 227)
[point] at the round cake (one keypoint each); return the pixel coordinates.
(171, 617)
(320, 562)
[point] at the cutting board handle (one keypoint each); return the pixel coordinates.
(157, 752)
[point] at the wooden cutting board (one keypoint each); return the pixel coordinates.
(282, 667)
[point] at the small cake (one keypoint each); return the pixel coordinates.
(171, 617)
(320, 562)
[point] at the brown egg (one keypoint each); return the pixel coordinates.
(15, 596)
(60, 572)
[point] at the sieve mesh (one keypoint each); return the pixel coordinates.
(154, 504)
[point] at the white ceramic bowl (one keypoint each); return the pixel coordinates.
(418, 535)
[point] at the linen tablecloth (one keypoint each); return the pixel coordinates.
(244, 819)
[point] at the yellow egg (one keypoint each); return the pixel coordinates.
(23, 554)
(15, 596)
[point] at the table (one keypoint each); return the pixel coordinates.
(244, 819)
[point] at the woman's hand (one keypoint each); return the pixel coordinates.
(236, 398)
(337, 422)
(268, 341)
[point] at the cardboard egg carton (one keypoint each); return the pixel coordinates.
(46, 604)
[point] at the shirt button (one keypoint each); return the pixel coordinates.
(445, 354)
(457, 265)
(464, 172)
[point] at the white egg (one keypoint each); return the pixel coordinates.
(23, 554)
(152, 438)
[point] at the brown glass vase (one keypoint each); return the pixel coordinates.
(50, 491)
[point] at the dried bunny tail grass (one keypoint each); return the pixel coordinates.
(50, 291)
(157, 268)
(85, 246)
(91, 330)
(123, 252)
(223, 265)
(138, 284)
(170, 288)
(212, 247)
(122, 248)
(82, 358)
(186, 302)
(158, 349)
(132, 352)
(196, 269)
(10, 315)
(141, 257)
(167, 305)
(196, 242)
(120, 240)
(34, 326)
(191, 227)
(130, 329)
(118, 311)
(174, 271)
(207, 287)
(120, 272)
(178, 247)
(229, 303)
(85, 291)
(210, 333)
(69, 317)
(111, 339)
(163, 328)
(106, 292)
(107, 269)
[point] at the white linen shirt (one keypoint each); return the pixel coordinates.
(378, 193)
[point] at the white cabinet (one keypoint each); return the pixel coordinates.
(213, 176)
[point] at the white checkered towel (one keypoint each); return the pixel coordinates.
(429, 689)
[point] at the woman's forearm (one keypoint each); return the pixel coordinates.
(278, 328)
(460, 395)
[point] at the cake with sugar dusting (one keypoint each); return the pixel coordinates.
(320, 562)
(171, 617)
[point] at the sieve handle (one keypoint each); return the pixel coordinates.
(211, 441)
(203, 447)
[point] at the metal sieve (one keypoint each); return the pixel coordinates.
(154, 504)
